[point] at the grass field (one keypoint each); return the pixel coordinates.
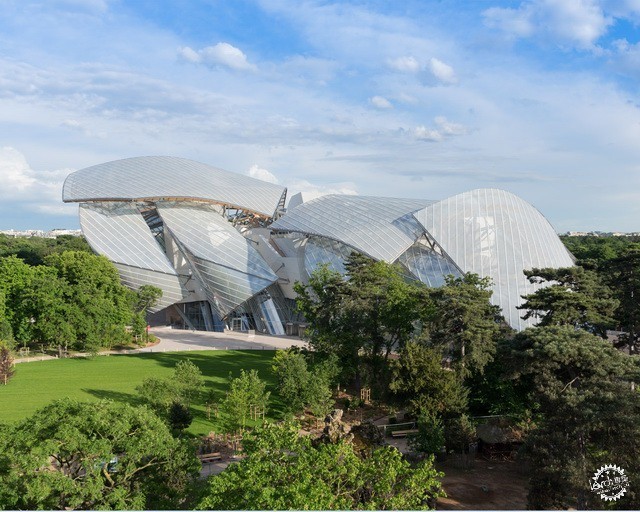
(115, 377)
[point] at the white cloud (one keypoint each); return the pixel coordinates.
(449, 128)
(582, 21)
(579, 23)
(442, 72)
(312, 191)
(407, 64)
(626, 58)
(41, 191)
(380, 103)
(189, 54)
(262, 174)
(221, 54)
(443, 129)
(17, 177)
(427, 134)
(514, 22)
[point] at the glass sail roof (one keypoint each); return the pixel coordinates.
(494, 233)
(209, 236)
(380, 227)
(157, 177)
(227, 264)
(119, 232)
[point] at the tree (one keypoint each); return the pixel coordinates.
(34, 249)
(283, 470)
(6, 332)
(361, 317)
(464, 325)
(420, 381)
(99, 307)
(623, 275)
(589, 414)
(15, 278)
(301, 387)
(7, 369)
(183, 387)
(430, 436)
(574, 296)
(189, 381)
(147, 296)
(45, 303)
(180, 416)
(100, 455)
(290, 368)
(598, 249)
(245, 392)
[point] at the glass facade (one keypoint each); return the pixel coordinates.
(224, 254)
(496, 234)
(162, 177)
(379, 227)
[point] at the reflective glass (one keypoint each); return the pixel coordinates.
(158, 177)
(494, 233)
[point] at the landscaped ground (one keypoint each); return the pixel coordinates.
(490, 485)
(38, 383)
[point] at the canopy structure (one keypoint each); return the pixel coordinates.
(155, 178)
(496, 234)
(226, 253)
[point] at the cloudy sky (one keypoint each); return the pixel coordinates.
(421, 99)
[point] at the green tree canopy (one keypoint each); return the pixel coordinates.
(464, 325)
(623, 275)
(283, 470)
(245, 391)
(362, 316)
(575, 296)
(100, 455)
(420, 382)
(300, 386)
(184, 387)
(589, 414)
(33, 250)
(75, 300)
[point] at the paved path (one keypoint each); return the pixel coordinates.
(178, 340)
(172, 340)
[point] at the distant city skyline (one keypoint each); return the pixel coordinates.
(417, 99)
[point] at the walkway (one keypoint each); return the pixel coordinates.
(177, 340)
(173, 340)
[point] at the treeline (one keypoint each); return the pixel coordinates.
(599, 248)
(72, 301)
(33, 250)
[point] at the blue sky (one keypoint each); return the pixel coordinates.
(421, 99)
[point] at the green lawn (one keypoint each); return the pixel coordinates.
(115, 377)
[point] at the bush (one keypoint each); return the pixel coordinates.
(459, 433)
(430, 437)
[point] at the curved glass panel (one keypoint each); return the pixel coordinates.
(323, 251)
(211, 237)
(224, 287)
(494, 233)
(379, 227)
(427, 265)
(135, 277)
(119, 232)
(158, 177)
